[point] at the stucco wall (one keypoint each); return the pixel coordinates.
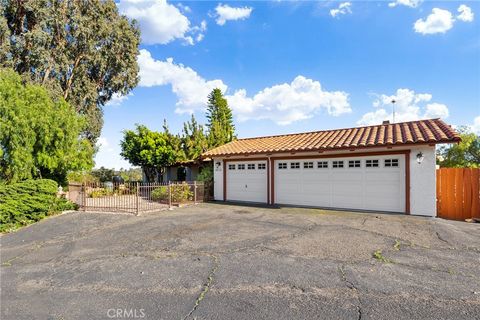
(422, 178)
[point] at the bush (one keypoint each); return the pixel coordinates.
(26, 202)
(180, 193)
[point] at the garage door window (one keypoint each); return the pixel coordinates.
(241, 167)
(371, 163)
(391, 162)
(282, 165)
(337, 164)
(251, 166)
(231, 167)
(295, 165)
(308, 165)
(261, 166)
(322, 164)
(354, 163)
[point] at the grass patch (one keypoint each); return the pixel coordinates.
(380, 257)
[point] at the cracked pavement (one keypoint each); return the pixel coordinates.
(217, 261)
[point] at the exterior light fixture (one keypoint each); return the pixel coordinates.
(217, 164)
(420, 157)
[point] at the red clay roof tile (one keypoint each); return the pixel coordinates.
(406, 133)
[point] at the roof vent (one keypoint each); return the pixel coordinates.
(386, 122)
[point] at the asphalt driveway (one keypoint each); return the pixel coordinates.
(215, 261)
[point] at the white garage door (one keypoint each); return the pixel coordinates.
(367, 183)
(247, 181)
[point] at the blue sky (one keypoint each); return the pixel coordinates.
(293, 66)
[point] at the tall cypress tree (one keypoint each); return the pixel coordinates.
(220, 125)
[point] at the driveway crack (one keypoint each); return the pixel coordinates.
(353, 287)
(206, 286)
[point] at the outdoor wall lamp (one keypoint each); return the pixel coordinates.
(217, 164)
(420, 157)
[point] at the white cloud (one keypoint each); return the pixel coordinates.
(465, 13)
(190, 88)
(436, 110)
(289, 102)
(224, 13)
(439, 21)
(160, 22)
(102, 142)
(283, 103)
(476, 125)
(343, 8)
(408, 3)
(408, 106)
(117, 99)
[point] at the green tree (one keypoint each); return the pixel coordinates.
(84, 51)
(148, 149)
(175, 142)
(131, 175)
(465, 154)
(194, 140)
(220, 125)
(103, 174)
(39, 135)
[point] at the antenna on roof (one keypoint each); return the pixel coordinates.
(393, 110)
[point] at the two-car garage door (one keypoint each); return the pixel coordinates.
(367, 183)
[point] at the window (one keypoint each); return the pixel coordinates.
(322, 164)
(231, 167)
(337, 164)
(282, 165)
(261, 166)
(354, 163)
(371, 163)
(391, 162)
(251, 166)
(294, 165)
(308, 165)
(241, 167)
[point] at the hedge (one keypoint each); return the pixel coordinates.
(29, 201)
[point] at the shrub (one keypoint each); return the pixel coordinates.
(26, 202)
(180, 193)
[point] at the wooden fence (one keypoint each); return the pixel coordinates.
(458, 195)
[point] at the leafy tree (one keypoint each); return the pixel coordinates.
(465, 154)
(132, 174)
(194, 139)
(175, 141)
(149, 149)
(39, 136)
(220, 125)
(84, 51)
(103, 174)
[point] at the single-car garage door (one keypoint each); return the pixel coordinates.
(367, 183)
(247, 181)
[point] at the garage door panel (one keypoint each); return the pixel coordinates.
(372, 188)
(246, 184)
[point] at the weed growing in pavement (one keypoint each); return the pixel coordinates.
(380, 257)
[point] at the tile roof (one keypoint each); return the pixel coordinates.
(431, 131)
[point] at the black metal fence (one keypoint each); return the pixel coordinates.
(136, 197)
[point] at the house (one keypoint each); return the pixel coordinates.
(386, 167)
(183, 170)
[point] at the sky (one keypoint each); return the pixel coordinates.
(296, 66)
